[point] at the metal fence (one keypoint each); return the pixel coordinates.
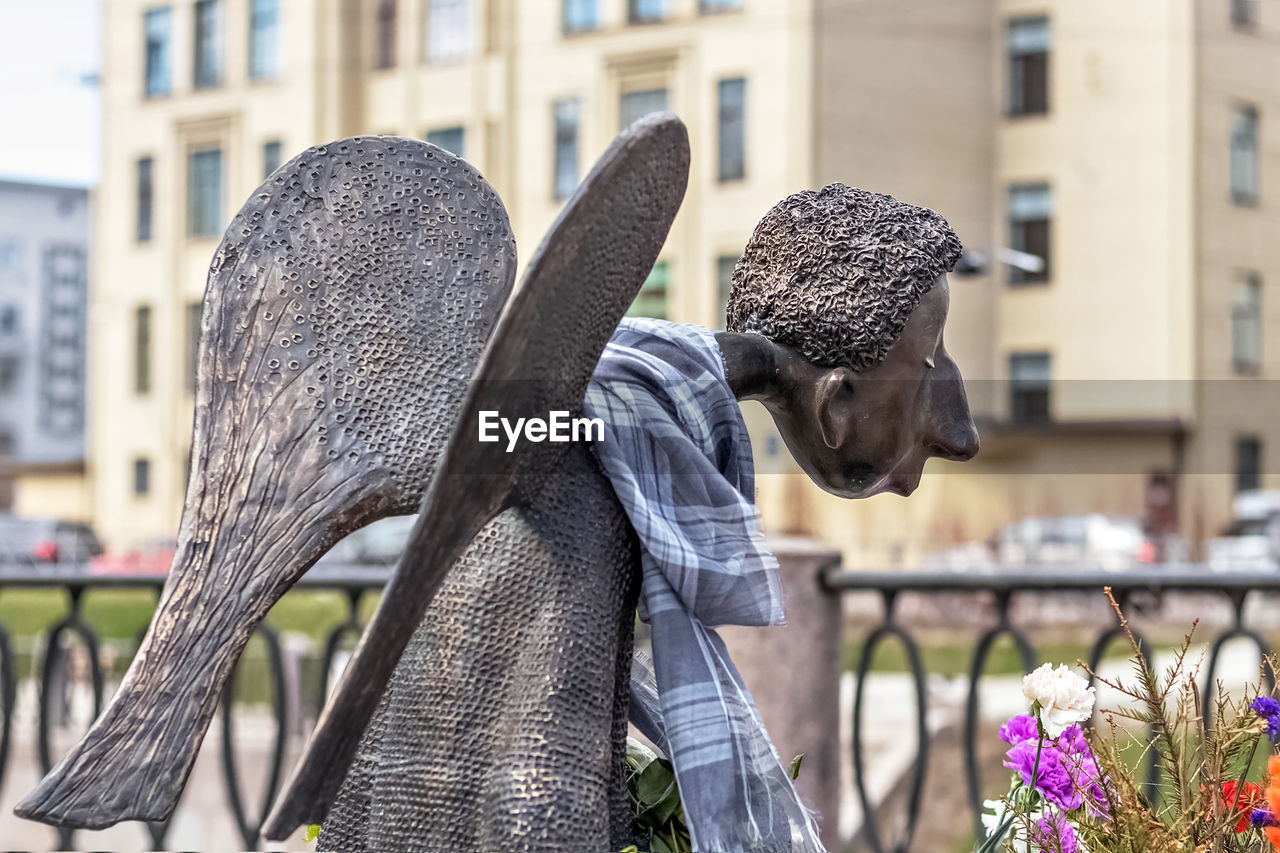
(1002, 589)
(76, 580)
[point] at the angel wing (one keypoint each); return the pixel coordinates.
(346, 309)
(306, 433)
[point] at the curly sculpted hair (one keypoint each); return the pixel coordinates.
(835, 273)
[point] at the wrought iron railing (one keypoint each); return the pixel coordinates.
(354, 581)
(1002, 588)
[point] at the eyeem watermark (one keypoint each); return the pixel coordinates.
(556, 427)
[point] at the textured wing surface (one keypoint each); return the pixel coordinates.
(346, 309)
(577, 287)
(504, 726)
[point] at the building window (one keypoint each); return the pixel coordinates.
(142, 349)
(732, 99)
(1248, 463)
(579, 16)
(204, 193)
(1030, 215)
(1028, 66)
(1244, 14)
(645, 11)
(709, 6)
(565, 114)
(724, 284)
(207, 64)
(195, 312)
(651, 301)
(270, 157)
(1029, 380)
(10, 258)
(1244, 157)
(8, 319)
(141, 477)
(158, 25)
(637, 104)
(264, 39)
(8, 374)
(385, 27)
(1246, 325)
(451, 139)
(60, 403)
(145, 195)
(448, 30)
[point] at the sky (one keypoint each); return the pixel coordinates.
(49, 97)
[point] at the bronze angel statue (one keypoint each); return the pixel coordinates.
(359, 325)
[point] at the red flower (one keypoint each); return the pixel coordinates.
(1250, 798)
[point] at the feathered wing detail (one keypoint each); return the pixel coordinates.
(346, 310)
(578, 285)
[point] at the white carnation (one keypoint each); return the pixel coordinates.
(1065, 698)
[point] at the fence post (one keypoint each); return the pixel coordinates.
(793, 672)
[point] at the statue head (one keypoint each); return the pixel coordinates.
(844, 292)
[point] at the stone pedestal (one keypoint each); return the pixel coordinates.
(793, 673)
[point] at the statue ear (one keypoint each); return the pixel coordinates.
(834, 402)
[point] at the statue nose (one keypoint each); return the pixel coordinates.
(958, 441)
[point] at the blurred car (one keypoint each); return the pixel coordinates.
(1094, 540)
(1251, 541)
(32, 541)
(377, 544)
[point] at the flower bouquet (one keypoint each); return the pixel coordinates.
(1078, 790)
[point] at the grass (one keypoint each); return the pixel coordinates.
(122, 614)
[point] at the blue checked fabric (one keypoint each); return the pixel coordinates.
(677, 452)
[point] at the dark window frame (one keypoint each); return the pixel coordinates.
(646, 11)
(1031, 234)
(384, 30)
(206, 45)
(145, 214)
(1247, 463)
(157, 63)
(566, 139)
(1244, 15)
(141, 476)
(142, 339)
(264, 40)
(1031, 399)
(1029, 69)
(439, 136)
(1246, 156)
(648, 92)
(204, 202)
(272, 151)
(1247, 327)
(731, 129)
(572, 19)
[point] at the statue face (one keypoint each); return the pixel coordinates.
(859, 434)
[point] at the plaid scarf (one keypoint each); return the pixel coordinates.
(677, 453)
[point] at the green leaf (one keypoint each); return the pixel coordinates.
(794, 770)
(654, 785)
(313, 832)
(658, 844)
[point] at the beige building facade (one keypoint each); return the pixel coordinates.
(1125, 148)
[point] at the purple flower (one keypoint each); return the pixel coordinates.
(1261, 818)
(1018, 729)
(1068, 775)
(1054, 834)
(1269, 710)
